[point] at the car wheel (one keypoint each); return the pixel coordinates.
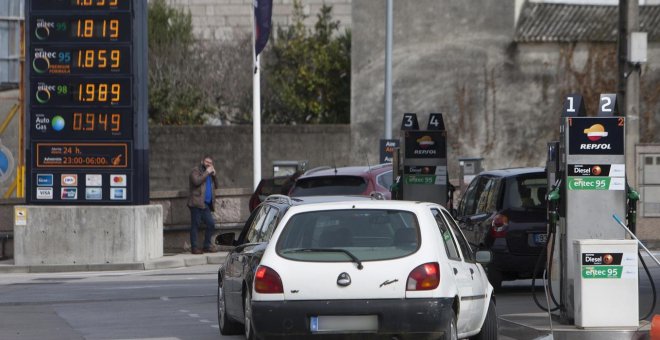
(250, 334)
(451, 332)
(489, 327)
(495, 278)
(226, 325)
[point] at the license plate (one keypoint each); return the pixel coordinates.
(540, 238)
(343, 323)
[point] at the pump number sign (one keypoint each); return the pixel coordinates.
(85, 96)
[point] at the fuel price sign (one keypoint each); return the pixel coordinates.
(86, 102)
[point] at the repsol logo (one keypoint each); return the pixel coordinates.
(425, 152)
(595, 147)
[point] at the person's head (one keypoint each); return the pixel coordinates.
(207, 161)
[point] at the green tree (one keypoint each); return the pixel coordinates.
(174, 96)
(308, 72)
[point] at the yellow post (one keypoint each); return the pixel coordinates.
(11, 188)
(20, 169)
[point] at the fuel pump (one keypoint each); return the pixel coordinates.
(586, 177)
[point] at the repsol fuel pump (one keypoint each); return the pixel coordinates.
(587, 174)
(424, 172)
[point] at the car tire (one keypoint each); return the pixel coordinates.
(451, 332)
(226, 325)
(489, 327)
(248, 325)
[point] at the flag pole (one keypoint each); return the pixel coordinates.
(256, 108)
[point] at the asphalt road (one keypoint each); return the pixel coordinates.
(160, 304)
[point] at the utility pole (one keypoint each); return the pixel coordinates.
(628, 86)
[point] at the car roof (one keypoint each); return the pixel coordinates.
(362, 204)
(511, 172)
(346, 170)
(292, 201)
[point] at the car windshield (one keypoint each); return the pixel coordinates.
(331, 185)
(526, 192)
(367, 234)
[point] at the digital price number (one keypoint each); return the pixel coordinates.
(85, 60)
(81, 4)
(87, 92)
(62, 124)
(87, 28)
(82, 155)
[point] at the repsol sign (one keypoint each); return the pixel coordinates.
(595, 135)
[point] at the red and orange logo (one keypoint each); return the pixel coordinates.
(595, 132)
(425, 142)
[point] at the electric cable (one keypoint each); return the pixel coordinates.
(646, 269)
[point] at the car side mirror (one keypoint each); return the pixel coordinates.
(226, 239)
(483, 256)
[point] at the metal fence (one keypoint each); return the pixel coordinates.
(11, 15)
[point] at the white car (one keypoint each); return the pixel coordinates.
(393, 268)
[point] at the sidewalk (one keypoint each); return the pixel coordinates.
(167, 261)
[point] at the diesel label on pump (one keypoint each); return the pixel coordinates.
(596, 135)
(609, 170)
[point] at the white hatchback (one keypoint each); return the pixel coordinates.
(392, 268)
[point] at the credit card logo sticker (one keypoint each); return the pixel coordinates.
(44, 193)
(93, 180)
(117, 180)
(69, 193)
(118, 194)
(69, 180)
(93, 193)
(45, 180)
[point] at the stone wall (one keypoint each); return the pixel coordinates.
(175, 150)
(227, 19)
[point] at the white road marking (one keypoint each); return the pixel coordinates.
(183, 311)
(204, 321)
(193, 315)
(215, 326)
(165, 298)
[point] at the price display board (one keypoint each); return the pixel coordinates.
(86, 102)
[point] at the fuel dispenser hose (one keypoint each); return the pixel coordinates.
(655, 296)
(548, 271)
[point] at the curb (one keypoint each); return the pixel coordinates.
(165, 262)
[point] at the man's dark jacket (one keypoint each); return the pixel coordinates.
(197, 182)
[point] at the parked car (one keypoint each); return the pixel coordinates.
(385, 268)
(272, 186)
(504, 211)
(352, 180)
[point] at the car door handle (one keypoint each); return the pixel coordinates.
(455, 271)
(472, 273)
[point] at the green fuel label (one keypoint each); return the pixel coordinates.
(602, 272)
(596, 183)
(420, 179)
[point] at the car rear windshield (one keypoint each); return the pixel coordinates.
(367, 234)
(526, 192)
(331, 185)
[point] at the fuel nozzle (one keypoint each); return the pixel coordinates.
(553, 214)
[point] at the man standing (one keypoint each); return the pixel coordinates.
(201, 203)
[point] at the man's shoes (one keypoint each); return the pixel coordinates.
(197, 251)
(210, 250)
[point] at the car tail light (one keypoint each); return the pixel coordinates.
(424, 277)
(267, 281)
(498, 227)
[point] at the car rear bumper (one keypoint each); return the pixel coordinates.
(395, 316)
(520, 265)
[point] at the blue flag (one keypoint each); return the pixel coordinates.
(263, 10)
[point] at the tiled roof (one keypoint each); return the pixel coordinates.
(546, 22)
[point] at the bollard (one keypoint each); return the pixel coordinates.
(655, 327)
